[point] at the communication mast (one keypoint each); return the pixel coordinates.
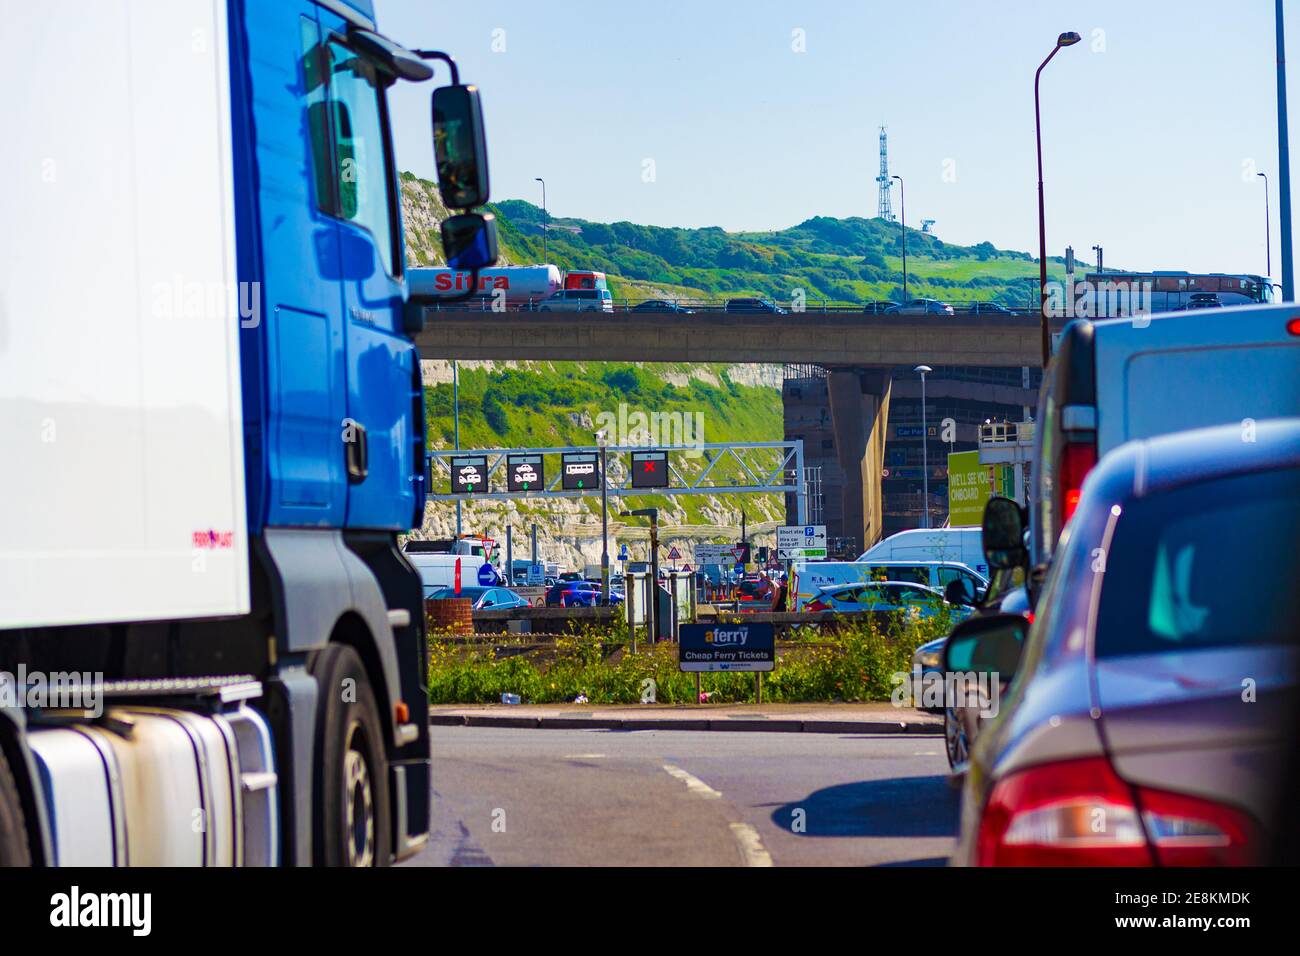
(884, 210)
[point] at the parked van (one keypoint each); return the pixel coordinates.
(1122, 379)
(961, 545)
(439, 570)
(811, 576)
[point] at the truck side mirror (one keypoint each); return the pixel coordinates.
(469, 241)
(1003, 534)
(460, 146)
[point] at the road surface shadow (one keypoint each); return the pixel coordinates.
(896, 807)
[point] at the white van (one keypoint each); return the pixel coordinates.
(438, 570)
(960, 545)
(811, 576)
(1115, 381)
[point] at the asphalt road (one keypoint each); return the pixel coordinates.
(511, 797)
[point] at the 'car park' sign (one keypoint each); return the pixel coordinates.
(800, 542)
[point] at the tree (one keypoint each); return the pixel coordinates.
(494, 413)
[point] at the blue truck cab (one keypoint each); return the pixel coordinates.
(233, 569)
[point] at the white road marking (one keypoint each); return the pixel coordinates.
(583, 756)
(751, 845)
(926, 753)
(693, 783)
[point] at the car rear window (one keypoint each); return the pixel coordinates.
(1207, 565)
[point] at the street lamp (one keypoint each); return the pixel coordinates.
(925, 449)
(1065, 39)
(1098, 250)
(455, 423)
(1268, 240)
(602, 440)
(545, 230)
(902, 223)
(1283, 163)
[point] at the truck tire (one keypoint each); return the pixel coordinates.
(14, 850)
(351, 820)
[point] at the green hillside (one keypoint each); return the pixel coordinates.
(548, 404)
(836, 260)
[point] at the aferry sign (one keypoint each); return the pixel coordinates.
(726, 647)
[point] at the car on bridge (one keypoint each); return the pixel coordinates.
(879, 306)
(661, 305)
(754, 305)
(922, 307)
(578, 300)
(987, 308)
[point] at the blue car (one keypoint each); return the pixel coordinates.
(579, 594)
(485, 599)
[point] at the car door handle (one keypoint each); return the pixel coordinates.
(356, 451)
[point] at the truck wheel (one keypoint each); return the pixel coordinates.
(13, 831)
(350, 809)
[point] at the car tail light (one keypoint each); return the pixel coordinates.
(1080, 813)
(1077, 459)
(1293, 326)
(816, 604)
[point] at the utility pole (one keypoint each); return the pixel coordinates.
(455, 425)
(902, 224)
(546, 226)
(1284, 163)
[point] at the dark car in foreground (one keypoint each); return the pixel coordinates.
(1147, 719)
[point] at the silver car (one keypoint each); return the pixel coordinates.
(578, 300)
(1146, 722)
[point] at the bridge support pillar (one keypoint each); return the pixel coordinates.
(859, 400)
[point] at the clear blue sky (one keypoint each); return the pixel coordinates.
(1147, 124)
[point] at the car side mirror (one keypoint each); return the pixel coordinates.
(1003, 534)
(460, 146)
(986, 645)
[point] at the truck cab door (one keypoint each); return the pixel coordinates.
(297, 239)
(379, 441)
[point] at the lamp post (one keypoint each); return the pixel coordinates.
(455, 423)
(1283, 164)
(602, 440)
(902, 224)
(1268, 239)
(1065, 39)
(545, 224)
(1098, 250)
(925, 450)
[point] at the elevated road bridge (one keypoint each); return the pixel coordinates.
(824, 338)
(859, 351)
